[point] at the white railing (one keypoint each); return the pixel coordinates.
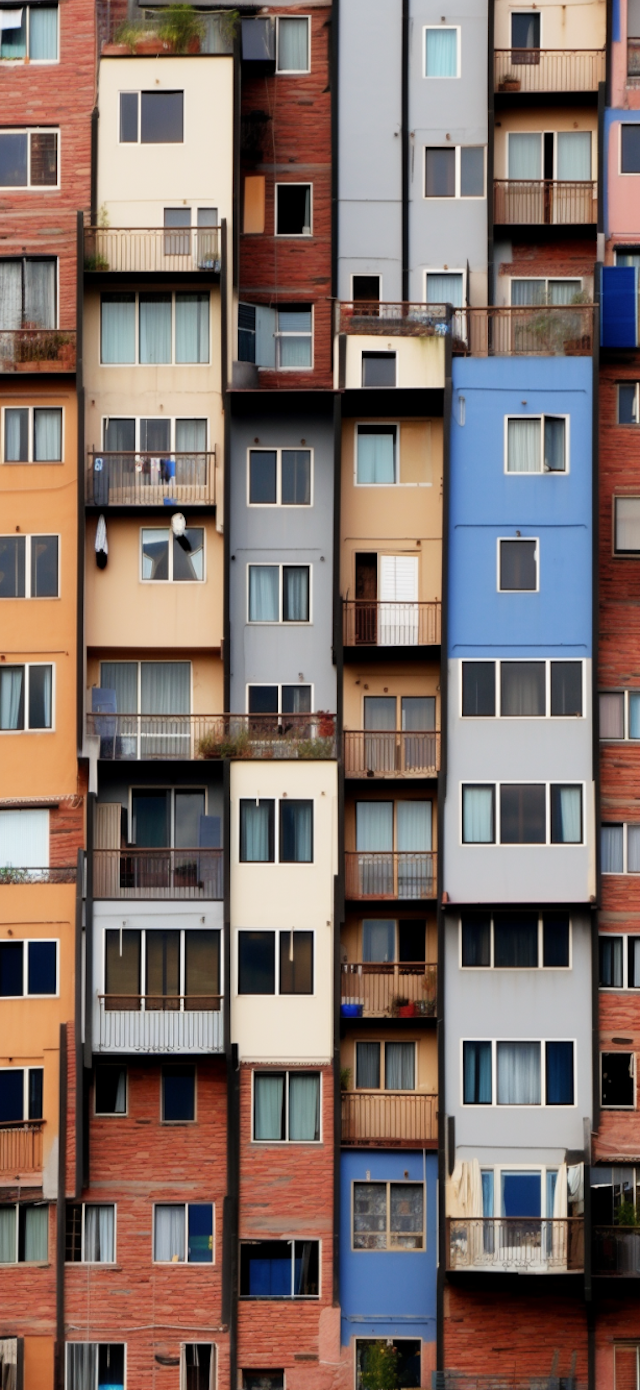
(154, 1028)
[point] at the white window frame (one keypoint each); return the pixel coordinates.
(214, 1361)
(28, 538)
(287, 1072)
(131, 926)
(536, 1105)
(111, 1114)
(288, 1297)
(293, 72)
(546, 279)
(383, 1089)
(498, 1169)
(101, 1343)
(277, 932)
(157, 366)
(26, 941)
(540, 968)
(292, 236)
(541, 471)
(499, 540)
(159, 583)
(30, 130)
(25, 1083)
(18, 1206)
(359, 274)
(499, 662)
(368, 352)
(586, 130)
(278, 450)
(386, 423)
(279, 334)
(96, 1264)
(37, 62)
(624, 826)
(150, 91)
(458, 31)
(31, 461)
(140, 664)
(280, 621)
(457, 196)
(172, 420)
(626, 736)
(185, 1207)
(26, 666)
(625, 937)
(278, 685)
(390, 1248)
(547, 843)
(624, 1052)
(527, 9)
(622, 497)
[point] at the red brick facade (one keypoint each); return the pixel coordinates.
(515, 1331)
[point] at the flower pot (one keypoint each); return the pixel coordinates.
(407, 1011)
(193, 45)
(351, 1010)
(151, 46)
(115, 50)
(510, 85)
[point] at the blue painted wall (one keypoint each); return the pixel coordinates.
(388, 1294)
(487, 503)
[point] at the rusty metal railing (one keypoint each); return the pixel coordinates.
(151, 249)
(548, 70)
(390, 874)
(388, 1120)
(391, 753)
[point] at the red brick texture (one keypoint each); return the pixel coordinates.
(66, 831)
(617, 1322)
(562, 258)
(516, 1332)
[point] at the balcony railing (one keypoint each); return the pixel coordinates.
(385, 319)
(392, 874)
(368, 623)
(373, 753)
(142, 479)
(131, 737)
(157, 873)
(37, 350)
(529, 331)
(59, 873)
(548, 70)
(154, 1023)
(20, 1148)
(521, 1245)
(616, 1251)
(545, 202)
(511, 1378)
(388, 1120)
(138, 250)
(394, 989)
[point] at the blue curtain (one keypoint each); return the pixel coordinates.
(559, 1073)
(477, 1073)
(376, 455)
(441, 53)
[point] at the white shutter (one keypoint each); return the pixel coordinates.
(24, 839)
(265, 336)
(398, 625)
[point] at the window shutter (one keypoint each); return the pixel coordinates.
(398, 578)
(265, 336)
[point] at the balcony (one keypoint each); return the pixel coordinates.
(516, 1245)
(384, 320)
(389, 874)
(531, 331)
(394, 989)
(633, 58)
(379, 1119)
(180, 874)
(198, 737)
(529, 70)
(369, 623)
(20, 1150)
(616, 1251)
(152, 250)
(147, 480)
(152, 1023)
(58, 873)
(37, 350)
(545, 202)
(372, 753)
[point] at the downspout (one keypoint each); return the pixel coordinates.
(80, 463)
(334, 70)
(232, 1197)
(79, 1059)
(339, 893)
(226, 496)
(595, 713)
(61, 1211)
(404, 117)
(95, 117)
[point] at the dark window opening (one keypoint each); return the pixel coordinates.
(110, 1090)
(378, 369)
(478, 688)
(476, 941)
(293, 209)
(555, 939)
(522, 815)
(279, 1269)
(179, 1093)
(162, 118)
(515, 945)
(296, 962)
(256, 962)
(618, 1070)
(518, 566)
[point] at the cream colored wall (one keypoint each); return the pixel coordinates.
(545, 119)
(427, 1067)
(281, 896)
(351, 934)
(394, 679)
(123, 612)
(207, 675)
(368, 791)
(573, 24)
(420, 361)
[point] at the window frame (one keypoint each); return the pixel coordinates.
(139, 664)
(185, 1207)
(26, 1070)
(292, 183)
(622, 497)
(38, 62)
(619, 1052)
(542, 1104)
(172, 540)
(511, 540)
(438, 27)
(172, 420)
(280, 621)
(278, 450)
(28, 537)
(26, 729)
(387, 424)
(547, 843)
(30, 187)
(96, 1264)
(158, 366)
(457, 196)
(182, 994)
(22, 1206)
(110, 1114)
(390, 1247)
(526, 969)
(279, 686)
(287, 1072)
(277, 993)
(624, 826)
(293, 72)
(625, 937)
(626, 737)
(624, 124)
(279, 334)
(534, 279)
(628, 424)
(31, 461)
(540, 472)
(499, 662)
(286, 1297)
(101, 1343)
(383, 1089)
(25, 942)
(139, 92)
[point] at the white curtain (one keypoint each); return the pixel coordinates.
(16, 436)
(295, 596)
(36, 1233)
(10, 294)
(40, 293)
(121, 676)
(7, 1235)
(518, 1073)
(47, 436)
(573, 156)
(24, 839)
(165, 687)
(43, 34)
(444, 289)
(82, 1365)
(400, 1067)
(13, 33)
(612, 716)
(376, 457)
(169, 1234)
(522, 688)
(293, 45)
(634, 962)
(442, 53)
(523, 446)
(255, 831)
(527, 292)
(98, 1235)
(611, 849)
(378, 940)
(268, 1105)
(525, 156)
(477, 815)
(413, 825)
(464, 1190)
(155, 328)
(374, 825)
(368, 1066)
(118, 328)
(633, 849)
(264, 584)
(304, 1107)
(627, 523)
(192, 328)
(191, 436)
(563, 291)
(570, 817)
(12, 697)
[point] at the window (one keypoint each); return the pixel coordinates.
(90, 1234)
(388, 1216)
(24, 839)
(28, 969)
(445, 287)
(28, 158)
(365, 290)
(21, 1091)
(389, 1067)
(544, 291)
(257, 962)
(530, 814)
(279, 699)
(454, 171)
(386, 827)
(157, 688)
(376, 454)
(618, 1071)
(518, 1073)
(296, 832)
(378, 369)
(476, 1064)
(537, 444)
(28, 293)
(172, 559)
(293, 209)
(518, 565)
(198, 1366)
(178, 1093)
(133, 435)
(629, 149)
(263, 1380)
(406, 1357)
(92, 1365)
(292, 45)
(31, 32)
(442, 52)
(478, 815)
(26, 698)
(628, 413)
(280, 1269)
(525, 33)
(294, 337)
(24, 1234)
(279, 477)
(620, 848)
(110, 1089)
(32, 436)
(619, 961)
(183, 1233)
(28, 566)
(626, 524)
(279, 593)
(526, 689)
(515, 940)
(564, 155)
(155, 327)
(158, 969)
(157, 116)
(523, 814)
(286, 1106)
(478, 688)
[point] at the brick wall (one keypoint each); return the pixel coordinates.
(514, 1330)
(66, 831)
(570, 257)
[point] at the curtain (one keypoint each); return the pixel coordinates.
(400, 1066)
(527, 292)
(12, 697)
(515, 942)
(611, 961)
(10, 294)
(374, 825)
(612, 716)
(525, 156)
(98, 1235)
(121, 676)
(522, 691)
(442, 53)
(264, 583)
(523, 446)
(418, 713)
(191, 436)
(413, 825)
(378, 940)
(611, 848)
(7, 1235)
(368, 1066)
(477, 1073)
(40, 293)
(268, 1106)
(293, 45)
(487, 1191)
(627, 523)
(192, 328)
(573, 157)
(13, 33)
(304, 1107)
(36, 1233)
(47, 436)
(169, 1234)
(559, 1068)
(165, 687)
(294, 351)
(380, 713)
(376, 456)
(567, 814)
(255, 831)
(24, 839)
(563, 291)
(518, 1073)
(633, 849)
(118, 328)
(296, 832)
(155, 328)
(465, 1190)
(43, 34)
(82, 1365)
(295, 596)
(16, 436)
(444, 289)
(634, 962)
(476, 941)
(477, 815)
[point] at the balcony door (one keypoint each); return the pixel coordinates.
(398, 625)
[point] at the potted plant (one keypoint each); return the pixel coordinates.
(402, 1008)
(345, 1077)
(181, 28)
(380, 1367)
(509, 83)
(124, 39)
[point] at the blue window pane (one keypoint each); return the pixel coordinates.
(11, 1095)
(559, 1073)
(178, 1093)
(477, 1073)
(13, 161)
(10, 969)
(521, 1194)
(270, 1277)
(200, 1238)
(41, 968)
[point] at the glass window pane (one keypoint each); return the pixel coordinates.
(256, 832)
(376, 450)
(521, 1195)
(162, 951)
(98, 1234)
(192, 328)
(633, 849)
(35, 1233)
(165, 686)
(304, 1107)
(518, 567)
(522, 815)
(295, 593)
(522, 688)
(612, 715)
(296, 832)
(627, 522)
(11, 969)
(155, 328)
(407, 1212)
(478, 688)
(518, 1073)
(178, 1093)
(155, 554)
(263, 699)
(268, 1105)
(44, 566)
(555, 936)
(122, 967)
(256, 962)
(525, 155)
(40, 697)
(296, 477)
(7, 1235)
(13, 161)
(566, 688)
(379, 939)
(202, 969)
(611, 849)
(35, 1087)
(12, 566)
(188, 555)
(296, 699)
(13, 33)
(168, 1233)
(264, 587)
(368, 1066)
(478, 815)
(573, 155)
(118, 328)
(161, 120)
(110, 1366)
(200, 1233)
(554, 444)
(515, 942)
(418, 713)
(378, 369)
(12, 697)
(400, 1066)
(47, 436)
(44, 159)
(440, 173)
(633, 962)
(122, 677)
(441, 57)
(566, 815)
(128, 118)
(293, 45)
(476, 941)
(444, 288)
(472, 171)
(627, 403)
(559, 1067)
(528, 292)
(11, 1095)
(370, 1216)
(263, 470)
(611, 976)
(476, 1068)
(189, 810)
(43, 34)
(525, 31)
(523, 446)
(634, 714)
(296, 962)
(16, 432)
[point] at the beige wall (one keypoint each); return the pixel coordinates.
(571, 25)
(427, 1060)
(395, 678)
(281, 896)
(206, 675)
(420, 361)
(545, 119)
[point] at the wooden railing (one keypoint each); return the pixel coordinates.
(544, 330)
(20, 1147)
(548, 70)
(616, 1251)
(160, 1023)
(390, 874)
(389, 1119)
(399, 319)
(370, 623)
(37, 350)
(213, 736)
(151, 249)
(517, 1244)
(158, 873)
(384, 753)
(545, 202)
(394, 989)
(140, 479)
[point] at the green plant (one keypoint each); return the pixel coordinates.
(180, 26)
(315, 748)
(95, 263)
(128, 33)
(380, 1367)
(345, 1077)
(228, 24)
(14, 876)
(103, 217)
(627, 1215)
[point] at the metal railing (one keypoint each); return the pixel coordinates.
(151, 249)
(37, 350)
(633, 57)
(139, 479)
(393, 989)
(160, 1023)
(543, 330)
(398, 319)
(545, 202)
(158, 873)
(509, 1379)
(58, 873)
(389, 753)
(390, 874)
(616, 1250)
(20, 1147)
(518, 1244)
(388, 1119)
(369, 623)
(548, 69)
(131, 737)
